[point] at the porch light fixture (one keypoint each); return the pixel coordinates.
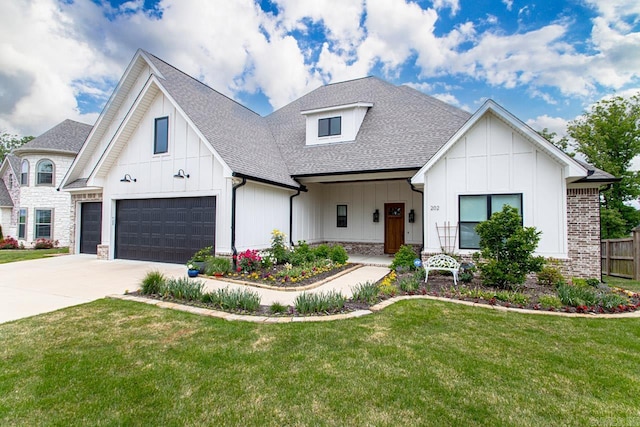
(127, 178)
(181, 174)
(376, 216)
(412, 216)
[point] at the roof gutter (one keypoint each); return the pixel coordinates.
(413, 188)
(233, 221)
(264, 181)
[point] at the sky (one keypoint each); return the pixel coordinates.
(546, 61)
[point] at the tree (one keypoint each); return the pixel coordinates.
(10, 142)
(609, 138)
(506, 249)
(562, 143)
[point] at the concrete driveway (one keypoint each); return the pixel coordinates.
(33, 287)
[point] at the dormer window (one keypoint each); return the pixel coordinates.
(330, 126)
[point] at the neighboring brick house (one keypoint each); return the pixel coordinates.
(31, 206)
(172, 165)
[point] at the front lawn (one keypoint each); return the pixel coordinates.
(631, 285)
(13, 255)
(415, 363)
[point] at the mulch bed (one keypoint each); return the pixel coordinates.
(310, 280)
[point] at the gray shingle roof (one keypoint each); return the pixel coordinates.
(67, 136)
(15, 163)
(5, 198)
(239, 135)
(596, 175)
(402, 130)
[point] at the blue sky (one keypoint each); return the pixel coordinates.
(545, 61)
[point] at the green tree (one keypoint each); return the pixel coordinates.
(552, 137)
(609, 138)
(10, 142)
(506, 249)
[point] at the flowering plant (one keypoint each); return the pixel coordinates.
(249, 260)
(191, 266)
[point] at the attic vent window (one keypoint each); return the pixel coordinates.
(161, 137)
(330, 126)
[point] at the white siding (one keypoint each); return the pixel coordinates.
(493, 158)
(351, 119)
(154, 173)
(259, 210)
(362, 199)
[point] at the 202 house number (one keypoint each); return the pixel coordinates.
(435, 208)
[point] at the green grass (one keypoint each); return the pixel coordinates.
(631, 285)
(13, 255)
(417, 362)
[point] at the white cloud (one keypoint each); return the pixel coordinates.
(553, 124)
(508, 3)
(443, 4)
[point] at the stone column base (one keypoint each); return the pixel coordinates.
(103, 252)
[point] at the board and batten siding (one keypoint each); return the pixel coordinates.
(154, 173)
(319, 205)
(492, 158)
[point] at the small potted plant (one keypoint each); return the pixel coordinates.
(192, 270)
(200, 257)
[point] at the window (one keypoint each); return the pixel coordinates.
(342, 216)
(22, 223)
(330, 126)
(24, 173)
(10, 181)
(43, 223)
(475, 209)
(44, 172)
(161, 138)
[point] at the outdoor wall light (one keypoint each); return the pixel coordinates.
(376, 216)
(181, 174)
(127, 178)
(412, 216)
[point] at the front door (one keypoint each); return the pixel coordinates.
(393, 227)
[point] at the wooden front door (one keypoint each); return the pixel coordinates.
(393, 227)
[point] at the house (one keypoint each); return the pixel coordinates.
(31, 207)
(171, 166)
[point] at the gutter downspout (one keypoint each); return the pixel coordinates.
(423, 224)
(300, 189)
(233, 220)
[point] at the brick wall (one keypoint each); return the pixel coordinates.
(583, 229)
(75, 200)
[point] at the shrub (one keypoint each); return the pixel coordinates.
(218, 265)
(466, 272)
(277, 308)
(593, 282)
(183, 289)
(9, 243)
(249, 261)
(574, 296)
(366, 292)
(322, 302)
(506, 249)
(278, 246)
(404, 258)
(301, 254)
(549, 276)
(338, 254)
(202, 254)
(550, 301)
(1, 235)
(233, 299)
(45, 244)
(408, 284)
(321, 251)
(153, 283)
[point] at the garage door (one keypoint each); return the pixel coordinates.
(90, 227)
(164, 230)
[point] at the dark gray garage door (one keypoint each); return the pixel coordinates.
(90, 227)
(164, 230)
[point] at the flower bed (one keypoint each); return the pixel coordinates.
(289, 276)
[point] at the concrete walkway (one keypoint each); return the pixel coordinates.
(28, 288)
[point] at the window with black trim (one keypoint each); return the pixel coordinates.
(22, 223)
(330, 126)
(161, 136)
(44, 172)
(341, 220)
(44, 223)
(24, 173)
(474, 209)
(10, 181)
